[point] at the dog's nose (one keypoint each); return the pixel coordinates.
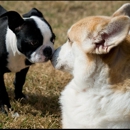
(47, 52)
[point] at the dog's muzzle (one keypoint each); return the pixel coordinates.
(55, 57)
(47, 52)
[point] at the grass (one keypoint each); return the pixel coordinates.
(43, 83)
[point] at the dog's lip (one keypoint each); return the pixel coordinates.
(48, 58)
(51, 57)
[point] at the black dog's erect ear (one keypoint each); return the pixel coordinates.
(14, 19)
(33, 12)
(2, 10)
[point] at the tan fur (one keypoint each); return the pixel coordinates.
(87, 25)
(116, 60)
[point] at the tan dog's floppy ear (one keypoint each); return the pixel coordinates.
(123, 10)
(113, 34)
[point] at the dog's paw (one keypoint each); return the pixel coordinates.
(20, 97)
(4, 105)
(5, 108)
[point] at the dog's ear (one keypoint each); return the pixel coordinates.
(114, 33)
(33, 12)
(123, 10)
(2, 10)
(14, 19)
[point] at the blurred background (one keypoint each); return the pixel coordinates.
(43, 83)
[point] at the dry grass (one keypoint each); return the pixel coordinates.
(44, 83)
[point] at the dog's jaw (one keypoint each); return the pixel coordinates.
(38, 56)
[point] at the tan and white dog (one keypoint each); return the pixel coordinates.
(97, 54)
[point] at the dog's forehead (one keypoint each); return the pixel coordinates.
(43, 26)
(87, 26)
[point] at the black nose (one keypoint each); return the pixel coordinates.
(47, 52)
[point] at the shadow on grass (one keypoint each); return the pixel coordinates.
(45, 104)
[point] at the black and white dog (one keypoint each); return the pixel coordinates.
(23, 41)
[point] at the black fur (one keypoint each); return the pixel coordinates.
(33, 12)
(26, 32)
(2, 10)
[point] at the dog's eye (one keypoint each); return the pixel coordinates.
(34, 43)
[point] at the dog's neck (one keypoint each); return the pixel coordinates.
(94, 73)
(105, 70)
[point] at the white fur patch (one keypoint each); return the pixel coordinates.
(16, 60)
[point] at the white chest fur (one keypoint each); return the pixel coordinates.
(94, 108)
(16, 60)
(16, 63)
(91, 103)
